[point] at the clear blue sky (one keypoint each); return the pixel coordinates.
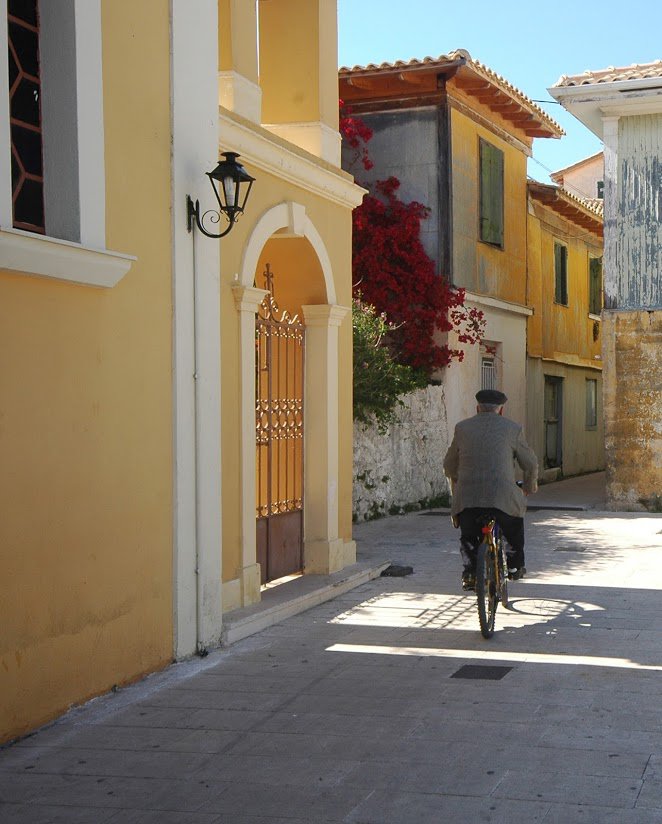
(530, 45)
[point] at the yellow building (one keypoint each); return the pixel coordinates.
(457, 135)
(564, 371)
(131, 469)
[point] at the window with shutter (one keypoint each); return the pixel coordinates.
(591, 403)
(595, 285)
(561, 274)
(491, 194)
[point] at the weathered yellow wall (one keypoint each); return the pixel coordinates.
(299, 280)
(560, 340)
(554, 330)
(633, 409)
(85, 422)
(480, 267)
(534, 287)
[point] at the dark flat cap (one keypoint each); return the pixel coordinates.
(492, 396)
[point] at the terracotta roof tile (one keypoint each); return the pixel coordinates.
(637, 71)
(442, 60)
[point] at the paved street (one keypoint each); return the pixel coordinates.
(356, 711)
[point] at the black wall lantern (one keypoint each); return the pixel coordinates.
(232, 185)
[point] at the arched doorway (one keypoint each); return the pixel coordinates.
(303, 285)
(289, 271)
(279, 436)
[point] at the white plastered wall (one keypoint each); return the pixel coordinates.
(196, 331)
(504, 324)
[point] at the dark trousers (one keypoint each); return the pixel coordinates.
(471, 534)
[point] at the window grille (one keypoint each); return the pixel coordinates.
(488, 376)
(25, 116)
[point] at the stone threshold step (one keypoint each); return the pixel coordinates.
(295, 596)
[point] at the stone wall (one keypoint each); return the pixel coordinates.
(633, 409)
(402, 468)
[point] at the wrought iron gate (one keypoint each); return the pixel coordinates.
(279, 343)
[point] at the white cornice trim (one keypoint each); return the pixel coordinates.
(324, 314)
(263, 150)
(496, 303)
(629, 106)
(32, 254)
(314, 137)
(614, 88)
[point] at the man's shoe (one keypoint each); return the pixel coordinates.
(517, 573)
(468, 579)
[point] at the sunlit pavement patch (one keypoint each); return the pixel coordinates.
(496, 655)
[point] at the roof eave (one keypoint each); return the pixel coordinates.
(539, 125)
(568, 207)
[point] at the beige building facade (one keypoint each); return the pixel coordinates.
(584, 179)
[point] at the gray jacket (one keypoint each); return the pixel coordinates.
(480, 463)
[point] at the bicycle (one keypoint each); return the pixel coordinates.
(491, 575)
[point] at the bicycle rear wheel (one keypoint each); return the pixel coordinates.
(486, 589)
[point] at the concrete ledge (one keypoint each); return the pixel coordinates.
(558, 507)
(295, 596)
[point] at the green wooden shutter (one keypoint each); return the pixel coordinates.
(561, 274)
(595, 286)
(491, 194)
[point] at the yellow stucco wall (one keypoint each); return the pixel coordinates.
(298, 281)
(237, 45)
(563, 341)
(85, 422)
(298, 61)
(480, 267)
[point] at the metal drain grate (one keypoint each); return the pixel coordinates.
(570, 549)
(481, 673)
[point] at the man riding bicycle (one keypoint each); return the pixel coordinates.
(480, 464)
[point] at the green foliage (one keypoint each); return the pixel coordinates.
(379, 379)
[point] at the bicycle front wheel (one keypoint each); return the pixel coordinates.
(486, 589)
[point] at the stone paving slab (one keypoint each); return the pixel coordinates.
(350, 712)
(396, 807)
(46, 814)
(591, 814)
